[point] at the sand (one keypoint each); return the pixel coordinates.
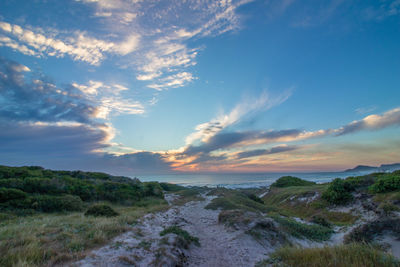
(220, 246)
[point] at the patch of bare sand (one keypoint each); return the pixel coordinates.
(143, 246)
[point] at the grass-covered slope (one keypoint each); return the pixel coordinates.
(352, 255)
(42, 219)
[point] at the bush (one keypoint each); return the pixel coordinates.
(182, 233)
(118, 192)
(386, 183)
(48, 203)
(153, 189)
(361, 181)
(101, 210)
(7, 194)
(287, 181)
(338, 192)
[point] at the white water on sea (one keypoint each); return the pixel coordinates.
(241, 180)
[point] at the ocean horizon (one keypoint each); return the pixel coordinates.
(242, 180)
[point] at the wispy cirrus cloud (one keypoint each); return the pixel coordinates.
(108, 100)
(78, 45)
(152, 38)
(205, 131)
(166, 30)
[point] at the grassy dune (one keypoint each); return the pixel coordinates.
(43, 239)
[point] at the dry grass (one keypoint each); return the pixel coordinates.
(352, 255)
(49, 239)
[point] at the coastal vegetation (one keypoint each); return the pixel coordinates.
(51, 217)
(287, 181)
(352, 255)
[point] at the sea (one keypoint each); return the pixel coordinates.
(242, 180)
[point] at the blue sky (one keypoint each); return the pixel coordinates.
(133, 87)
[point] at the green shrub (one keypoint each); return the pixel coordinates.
(361, 181)
(118, 192)
(338, 192)
(101, 210)
(386, 183)
(287, 181)
(48, 203)
(182, 233)
(7, 194)
(153, 189)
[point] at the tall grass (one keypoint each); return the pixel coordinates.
(352, 255)
(48, 239)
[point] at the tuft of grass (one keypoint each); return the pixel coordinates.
(287, 181)
(182, 233)
(101, 210)
(301, 230)
(351, 255)
(50, 239)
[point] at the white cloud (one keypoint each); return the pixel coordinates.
(77, 45)
(173, 81)
(159, 33)
(207, 130)
(108, 100)
(165, 28)
(129, 45)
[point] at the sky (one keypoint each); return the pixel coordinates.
(136, 87)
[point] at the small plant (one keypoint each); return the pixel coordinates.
(287, 181)
(182, 233)
(101, 210)
(338, 192)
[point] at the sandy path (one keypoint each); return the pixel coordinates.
(220, 246)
